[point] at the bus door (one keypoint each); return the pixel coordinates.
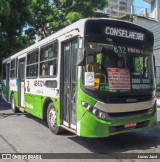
(21, 85)
(7, 81)
(69, 71)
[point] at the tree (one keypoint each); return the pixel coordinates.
(48, 16)
(21, 20)
(4, 7)
(12, 23)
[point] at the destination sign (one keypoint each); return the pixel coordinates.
(124, 33)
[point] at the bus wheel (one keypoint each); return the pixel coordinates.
(52, 120)
(13, 104)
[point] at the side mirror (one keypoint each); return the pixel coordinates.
(80, 57)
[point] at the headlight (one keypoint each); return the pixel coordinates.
(89, 108)
(152, 109)
(95, 111)
(100, 114)
(84, 104)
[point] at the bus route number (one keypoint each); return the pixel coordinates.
(39, 83)
(120, 50)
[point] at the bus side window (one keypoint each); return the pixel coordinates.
(32, 64)
(12, 69)
(90, 59)
(43, 70)
(48, 60)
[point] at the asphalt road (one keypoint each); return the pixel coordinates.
(27, 134)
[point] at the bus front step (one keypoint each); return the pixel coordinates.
(21, 109)
(69, 129)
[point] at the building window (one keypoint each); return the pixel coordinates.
(48, 60)
(114, 13)
(12, 70)
(112, 2)
(123, 6)
(32, 64)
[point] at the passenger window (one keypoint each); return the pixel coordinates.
(48, 60)
(12, 70)
(32, 64)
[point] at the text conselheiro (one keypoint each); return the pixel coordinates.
(124, 33)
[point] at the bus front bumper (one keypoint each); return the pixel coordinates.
(91, 126)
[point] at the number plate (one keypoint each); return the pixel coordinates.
(130, 125)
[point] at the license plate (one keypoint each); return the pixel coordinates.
(130, 125)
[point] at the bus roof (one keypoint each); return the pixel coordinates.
(76, 25)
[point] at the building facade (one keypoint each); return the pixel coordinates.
(118, 8)
(151, 21)
(155, 10)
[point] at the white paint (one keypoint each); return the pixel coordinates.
(40, 89)
(78, 127)
(29, 105)
(89, 78)
(51, 70)
(22, 95)
(73, 126)
(13, 86)
(127, 107)
(21, 56)
(65, 123)
(79, 72)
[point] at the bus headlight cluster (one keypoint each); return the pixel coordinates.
(100, 114)
(152, 109)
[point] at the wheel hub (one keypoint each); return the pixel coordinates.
(52, 117)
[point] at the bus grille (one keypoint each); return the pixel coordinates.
(119, 128)
(128, 114)
(126, 98)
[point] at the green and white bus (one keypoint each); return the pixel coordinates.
(73, 79)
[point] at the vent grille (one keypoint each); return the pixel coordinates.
(128, 114)
(126, 98)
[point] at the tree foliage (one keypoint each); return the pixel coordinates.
(14, 16)
(22, 20)
(48, 16)
(4, 7)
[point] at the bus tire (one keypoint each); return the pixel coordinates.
(13, 104)
(51, 119)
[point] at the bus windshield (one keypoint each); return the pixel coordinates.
(115, 68)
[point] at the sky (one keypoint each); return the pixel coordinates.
(139, 4)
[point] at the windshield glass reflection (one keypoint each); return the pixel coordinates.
(116, 68)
